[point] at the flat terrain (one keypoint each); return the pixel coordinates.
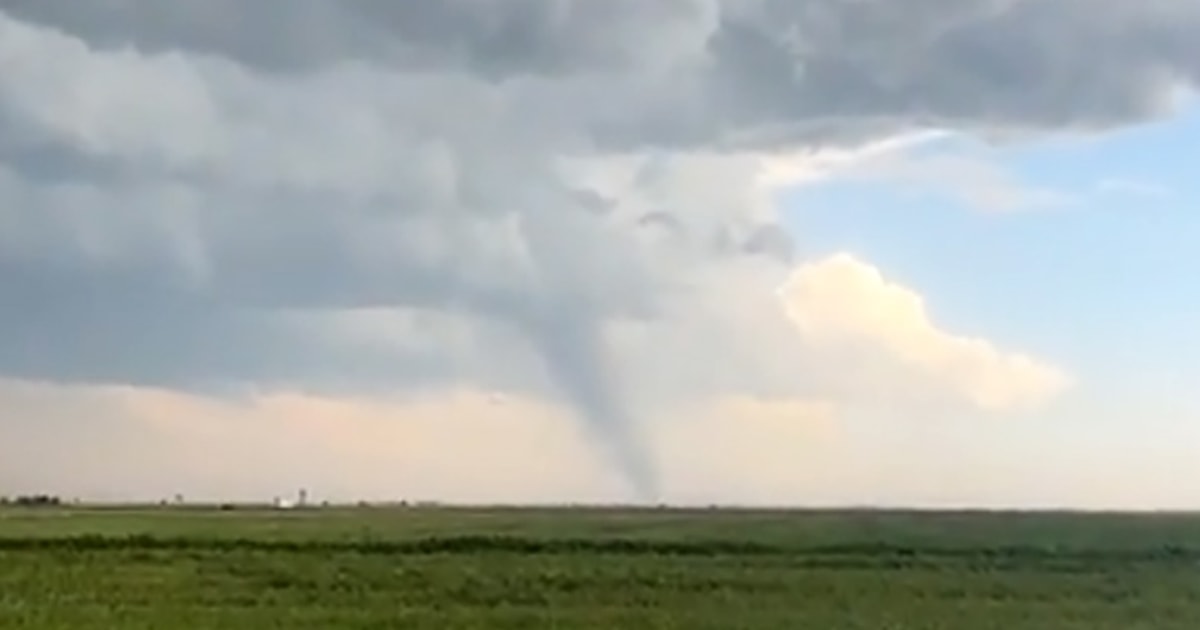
(594, 568)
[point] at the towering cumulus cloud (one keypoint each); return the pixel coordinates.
(550, 198)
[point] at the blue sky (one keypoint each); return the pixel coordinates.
(1104, 284)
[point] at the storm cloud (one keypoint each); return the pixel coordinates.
(190, 192)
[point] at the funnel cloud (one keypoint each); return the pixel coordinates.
(573, 349)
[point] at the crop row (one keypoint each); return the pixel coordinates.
(869, 554)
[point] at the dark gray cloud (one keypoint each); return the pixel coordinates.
(727, 70)
(772, 241)
(491, 37)
(139, 326)
(179, 179)
(821, 71)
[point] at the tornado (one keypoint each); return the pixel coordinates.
(571, 346)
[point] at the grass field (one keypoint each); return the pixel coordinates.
(594, 568)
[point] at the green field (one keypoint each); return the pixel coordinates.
(594, 568)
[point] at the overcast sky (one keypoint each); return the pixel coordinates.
(906, 252)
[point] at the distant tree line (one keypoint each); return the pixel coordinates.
(32, 500)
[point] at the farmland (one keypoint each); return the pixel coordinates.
(431, 567)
